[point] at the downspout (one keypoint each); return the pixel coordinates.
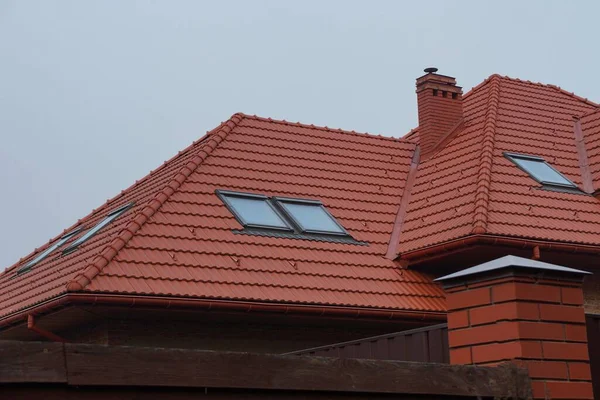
(42, 332)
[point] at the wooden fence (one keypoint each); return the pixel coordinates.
(82, 371)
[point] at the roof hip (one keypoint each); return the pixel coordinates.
(81, 280)
(484, 177)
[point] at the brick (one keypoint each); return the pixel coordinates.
(561, 313)
(531, 349)
(461, 356)
(569, 390)
(504, 311)
(505, 351)
(573, 296)
(458, 319)
(580, 371)
(468, 298)
(545, 369)
(538, 390)
(565, 351)
(575, 333)
(541, 330)
(526, 291)
(501, 332)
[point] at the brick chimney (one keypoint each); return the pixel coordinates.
(524, 311)
(440, 108)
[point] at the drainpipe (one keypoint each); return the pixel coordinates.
(47, 334)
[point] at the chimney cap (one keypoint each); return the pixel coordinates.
(431, 70)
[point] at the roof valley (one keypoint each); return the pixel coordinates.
(482, 195)
(81, 280)
(392, 251)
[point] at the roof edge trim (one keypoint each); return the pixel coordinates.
(92, 299)
(81, 280)
(482, 194)
(442, 249)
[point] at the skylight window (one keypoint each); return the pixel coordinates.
(284, 217)
(107, 220)
(311, 216)
(540, 170)
(48, 251)
(253, 210)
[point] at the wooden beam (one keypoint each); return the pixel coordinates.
(86, 365)
(39, 362)
(138, 366)
(50, 392)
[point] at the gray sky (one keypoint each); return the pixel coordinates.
(95, 94)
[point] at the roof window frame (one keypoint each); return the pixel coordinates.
(512, 157)
(224, 194)
(280, 201)
(48, 251)
(296, 229)
(110, 218)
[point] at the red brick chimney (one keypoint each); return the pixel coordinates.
(440, 108)
(524, 311)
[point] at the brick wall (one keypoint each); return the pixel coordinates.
(536, 323)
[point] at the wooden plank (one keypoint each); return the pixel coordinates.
(40, 362)
(138, 366)
(50, 392)
(436, 347)
(445, 345)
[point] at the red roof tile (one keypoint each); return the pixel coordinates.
(177, 240)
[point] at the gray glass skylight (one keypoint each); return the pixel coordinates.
(539, 170)
(253, 210)
(289, 217)
(48, 251)
(107, 220)
(311, 216)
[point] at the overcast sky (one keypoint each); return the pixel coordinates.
(95, 94)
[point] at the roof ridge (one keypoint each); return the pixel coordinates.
(325, 128)
(548, 85)
(81, 280)
(482, 194)
(588, 114)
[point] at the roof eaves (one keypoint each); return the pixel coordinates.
(440, 250)
(81, 280)
(482, 194)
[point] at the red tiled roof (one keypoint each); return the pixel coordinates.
(469, 188)
(177, 240)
